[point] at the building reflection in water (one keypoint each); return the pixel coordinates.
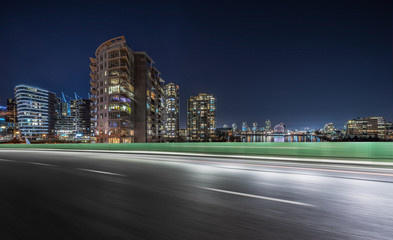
(280, 138)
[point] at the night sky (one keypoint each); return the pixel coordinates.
(304, 63)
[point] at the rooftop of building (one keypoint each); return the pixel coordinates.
(146, 55)
(110, 42)
(30, 86)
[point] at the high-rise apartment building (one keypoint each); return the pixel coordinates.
(364, 127)
(149, 98)
(126, 93)
(112, 88)
(36, 112)
(172, 112)
(201, 117)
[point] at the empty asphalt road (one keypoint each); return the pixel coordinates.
(88, 195)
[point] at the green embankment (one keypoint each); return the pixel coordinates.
(377, 151)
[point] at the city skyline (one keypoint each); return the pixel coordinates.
(172, 120)
(267, 70)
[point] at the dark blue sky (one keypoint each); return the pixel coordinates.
(304, 63)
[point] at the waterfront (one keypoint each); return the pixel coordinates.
(280, 138)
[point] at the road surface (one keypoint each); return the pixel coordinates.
(87, 195)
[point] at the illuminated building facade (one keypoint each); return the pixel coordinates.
(6, 127)
(223, 134)
(268, 125)
(254, 127)
(183, 134)
(201, 118)
(36, 112)
(149, 97)
(367, 127)
(279, 128)
(244, 127)
(11, 120)
(11, 111)
(172, 112)
(329, 128)
(65, 122)
(3, 113)
(112, 89)
(74, 120)
(80, 110)
(389, 130)
(127, 95)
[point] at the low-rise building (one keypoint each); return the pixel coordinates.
(367, 127)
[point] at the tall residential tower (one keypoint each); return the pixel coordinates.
(201, 118)
(112, 88)
(149, 99)
(172, 112)
(127, 95)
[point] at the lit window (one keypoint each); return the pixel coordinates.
(114, 89)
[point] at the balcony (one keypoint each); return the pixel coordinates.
(93, 91)
(93, 84)
(93, 76)
(121, 101)
(93, 68)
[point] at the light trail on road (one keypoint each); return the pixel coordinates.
(89, 195)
